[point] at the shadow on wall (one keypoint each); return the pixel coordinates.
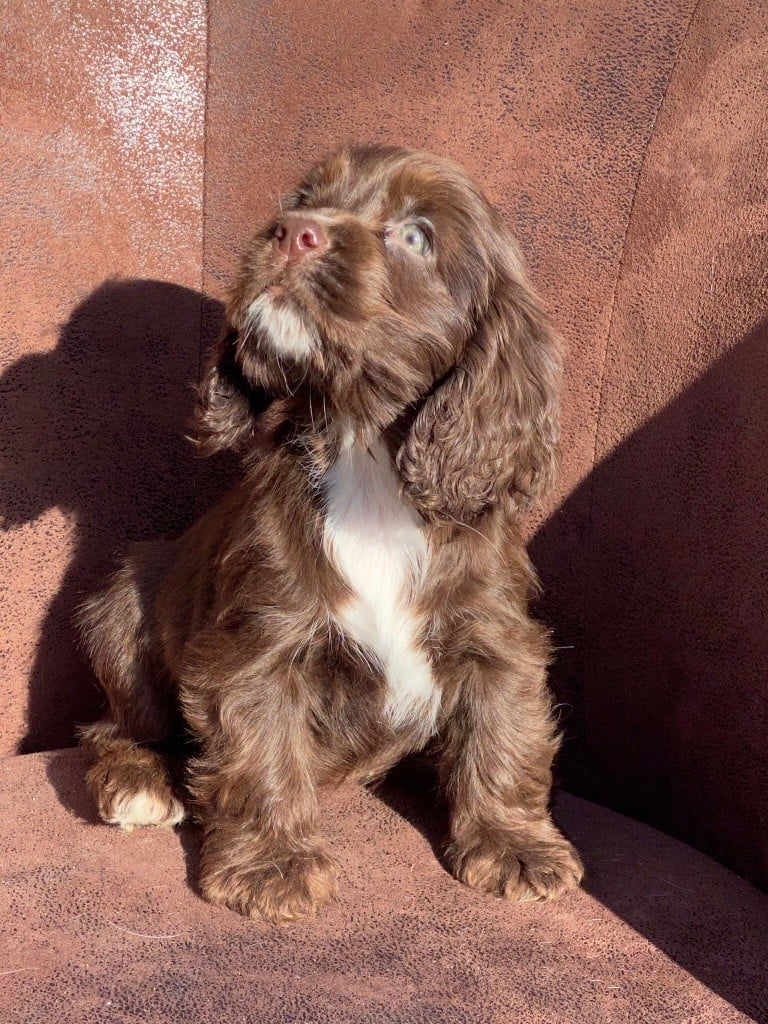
(97, 430)
(670, 622)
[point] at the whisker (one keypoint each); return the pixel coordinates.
(282, 371)
(466, 526)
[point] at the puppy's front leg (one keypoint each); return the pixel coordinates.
(254, 783)
(496, 769)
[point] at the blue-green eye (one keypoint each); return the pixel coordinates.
(414, 237)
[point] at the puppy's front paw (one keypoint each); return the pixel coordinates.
(281, 888)
(518, 870)
(132, 788)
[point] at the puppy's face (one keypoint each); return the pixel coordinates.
(369, 281)
(387, 286)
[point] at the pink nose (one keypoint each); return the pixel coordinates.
(296, 238)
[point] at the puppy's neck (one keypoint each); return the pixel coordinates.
(349, 435)
(341, 437)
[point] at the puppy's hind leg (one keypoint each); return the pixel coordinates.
(132, 778)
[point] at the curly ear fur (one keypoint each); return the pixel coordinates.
(488, 433)
(228, 403)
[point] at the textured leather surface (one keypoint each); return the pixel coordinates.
(103, 926)
(676, 565)
(101, 159)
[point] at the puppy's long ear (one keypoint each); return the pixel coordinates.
(488, 433)
(232, 396)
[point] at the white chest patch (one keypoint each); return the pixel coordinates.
(377, 544)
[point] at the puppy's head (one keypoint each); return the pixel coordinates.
(388, 288)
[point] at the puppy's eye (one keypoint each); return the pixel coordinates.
(414, 237)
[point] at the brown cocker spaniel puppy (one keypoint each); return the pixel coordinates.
(390, 382)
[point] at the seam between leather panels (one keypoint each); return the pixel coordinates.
(590, 530)
(630, 216)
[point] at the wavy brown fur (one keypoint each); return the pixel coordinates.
(225, 638)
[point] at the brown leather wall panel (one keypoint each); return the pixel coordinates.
(677, 580)
(101, 162)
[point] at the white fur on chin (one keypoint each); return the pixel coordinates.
(283, 326)
(377, 543)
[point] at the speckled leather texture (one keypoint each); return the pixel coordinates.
(103, 926)
(101, 161)
(685, 411)
(674, 570)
